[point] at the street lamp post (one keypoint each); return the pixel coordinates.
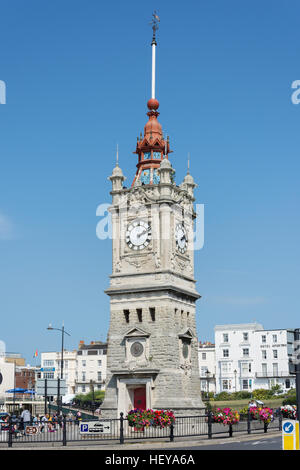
(14, 397)
(92, 387)
(207, 382)
(63, 333)
(235, 372)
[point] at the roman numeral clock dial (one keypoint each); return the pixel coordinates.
(138, 234)
(181, 238)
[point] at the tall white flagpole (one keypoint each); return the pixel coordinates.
(153, 68)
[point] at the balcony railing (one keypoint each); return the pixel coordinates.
(272, 374)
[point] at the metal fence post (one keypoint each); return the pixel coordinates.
(121, 428)
(249, 422)
(64, 431)
(209, 427)
(280, 420)
(10, 432)
(172, 432)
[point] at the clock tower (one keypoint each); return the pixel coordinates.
(152, 355)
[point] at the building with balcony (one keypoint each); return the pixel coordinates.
(274, 348)
(207, 367)
(90, 367)
(51, 367)
(249, 357)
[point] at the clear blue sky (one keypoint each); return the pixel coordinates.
(78, 79)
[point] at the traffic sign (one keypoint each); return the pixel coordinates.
(51, 387)
(95, 427)
(290, 435)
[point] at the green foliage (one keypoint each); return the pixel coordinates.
(291, 392)
(242, 395)
(209, 406)
(276, 390)
(98, 395)
(290, 398)
(222, 396)
(262, 394)
(244, 411)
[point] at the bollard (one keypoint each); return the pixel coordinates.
(265, 427)
(121, 428)
(230, 430)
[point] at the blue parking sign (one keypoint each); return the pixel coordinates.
(84, 428)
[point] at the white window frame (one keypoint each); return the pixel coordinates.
(245, 381)
(225, 338)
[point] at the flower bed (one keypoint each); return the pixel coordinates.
(289, 411)
(144, 418)
(225, 416)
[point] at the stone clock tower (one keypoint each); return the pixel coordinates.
(152, 356)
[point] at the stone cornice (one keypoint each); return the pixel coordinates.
(167, 287)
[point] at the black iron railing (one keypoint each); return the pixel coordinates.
(66, 430)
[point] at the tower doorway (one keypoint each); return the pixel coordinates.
(139, 398)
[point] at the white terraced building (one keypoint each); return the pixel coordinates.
(207, 367)
(249, 357)
(82, 368)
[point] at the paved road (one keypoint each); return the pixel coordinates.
(272, 443)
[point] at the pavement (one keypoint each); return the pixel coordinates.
(254, 441)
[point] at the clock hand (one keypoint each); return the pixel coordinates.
(142, 233)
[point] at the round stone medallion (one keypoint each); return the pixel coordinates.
(137, 349)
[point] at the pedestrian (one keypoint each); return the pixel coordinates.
(44, 420)
(26, 418)
(252, 404)
(78, 417)
(60, 420)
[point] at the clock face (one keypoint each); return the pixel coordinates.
(138, 235)
(181, 238)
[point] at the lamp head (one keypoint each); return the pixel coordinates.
(50, 327)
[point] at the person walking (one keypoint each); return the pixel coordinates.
(78, 417)
(44, 421)
(26, 418)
